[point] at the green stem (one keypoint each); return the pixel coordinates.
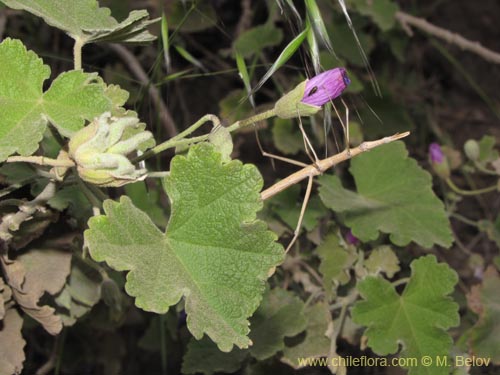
(180, 140)
(402, 281)
(252, 120)
(485, 170)
(465, 220)
(41, 160)
(457, 190)
(77, 53)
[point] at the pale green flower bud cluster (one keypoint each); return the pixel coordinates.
(100, 150)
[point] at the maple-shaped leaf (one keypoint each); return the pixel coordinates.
(484, 336)
(417, 319)
(394, 196)
(214, 252)
(72, 98)
(280, 315)
(84, 20)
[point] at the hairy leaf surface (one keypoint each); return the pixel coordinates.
(86, 21)
(417, 319)
(394, 196)
(72, 98)
(214, 252)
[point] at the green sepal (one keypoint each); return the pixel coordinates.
(290, 105)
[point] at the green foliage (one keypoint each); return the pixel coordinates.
(198, 245)
(279, 315)
(254, 40)
(381, 11)
(382, 259)
(203, 356)
(484, 336)
(72, 98)
(336, 262)
(416, 319)
(85, 21)
(316, 343)
(287, 137)
(213, 251)
(394, 196)
(287, 205)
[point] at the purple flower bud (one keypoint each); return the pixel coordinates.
(435, 153)
(326, 86)
(439, 162)
(351, 239)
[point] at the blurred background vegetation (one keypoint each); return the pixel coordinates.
(427, 85)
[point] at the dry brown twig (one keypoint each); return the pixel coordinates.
(318, 168)
(407, 21)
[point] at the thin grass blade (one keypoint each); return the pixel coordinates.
(190, 58)
(374, 81)
(318, 24)
(285, 55)
(165, 42)
(243, 71)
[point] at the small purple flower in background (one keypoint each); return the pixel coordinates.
(439, 162)
(351, 239)
(325, 86)
(435, 153)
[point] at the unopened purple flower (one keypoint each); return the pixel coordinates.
(351, 239)
(435, 153)
(326, 86)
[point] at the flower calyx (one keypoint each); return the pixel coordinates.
(100, 150)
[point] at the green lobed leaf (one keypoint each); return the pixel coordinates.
(214, 252)
(487, 152)
(335, 263)
(316, 343)
(381, 11)
(280, 315)
(382, 259)
(484, 336)
(191, 15)
(394, 196)
(147, 198)
(287, 205)
(287, 137)
(72, 98)
(254, 40)
(416, 320)
(346, 45)
(86, 21)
